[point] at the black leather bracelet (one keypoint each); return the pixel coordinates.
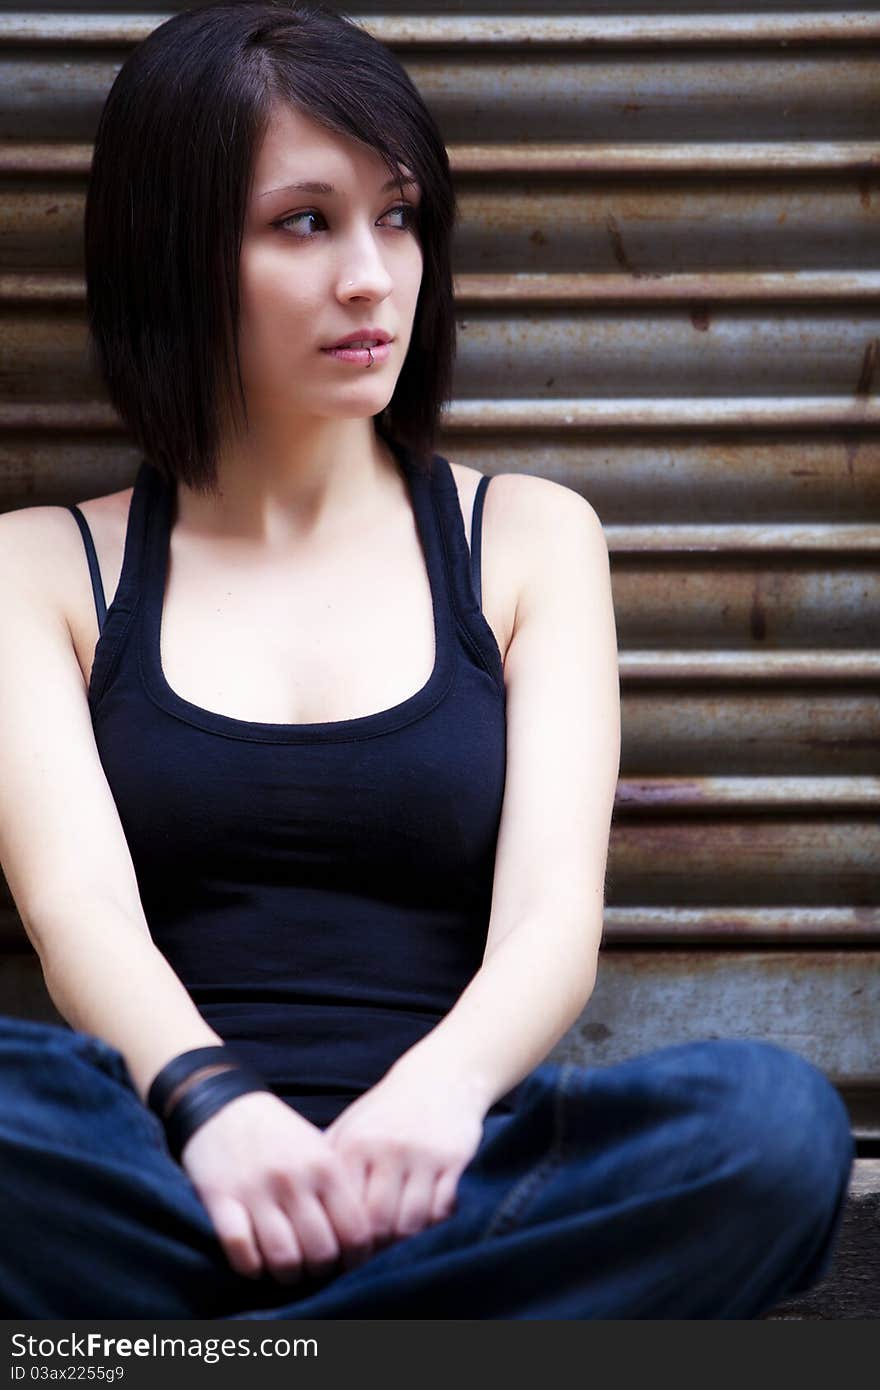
(203, 1100)
(182, 1066)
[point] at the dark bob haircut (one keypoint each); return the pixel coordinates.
(176, 141)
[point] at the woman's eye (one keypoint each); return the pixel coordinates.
(407, 209)
(409, 213)
(295, 217)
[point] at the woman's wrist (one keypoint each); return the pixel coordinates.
(202, 1101)
(192, 1080)
(425, 1065)
(193, 1086)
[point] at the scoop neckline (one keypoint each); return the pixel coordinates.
(158, 544)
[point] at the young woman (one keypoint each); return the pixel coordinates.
(310, 742)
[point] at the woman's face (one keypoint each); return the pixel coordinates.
(315, 266)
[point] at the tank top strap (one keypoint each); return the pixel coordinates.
(94, 567)
(115, 621)
(476, 537)
(463, 566)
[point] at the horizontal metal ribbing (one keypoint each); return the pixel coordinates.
(738, 925)
(585, 413)
(813, 665)
(819, 538)
(49, 158)
(670, 795)
(538, 31)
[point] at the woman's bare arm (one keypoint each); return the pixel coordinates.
(62, 846)
(279, 1196)
(563, 755)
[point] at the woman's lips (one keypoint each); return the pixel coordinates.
(360, 356)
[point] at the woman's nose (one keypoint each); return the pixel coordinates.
(364, 271)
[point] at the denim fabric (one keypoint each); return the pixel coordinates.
(702, 1180)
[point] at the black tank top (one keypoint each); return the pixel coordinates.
(322, 890)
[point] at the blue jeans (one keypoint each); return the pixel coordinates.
(701, 1180)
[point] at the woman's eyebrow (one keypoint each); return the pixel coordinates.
(308, 186)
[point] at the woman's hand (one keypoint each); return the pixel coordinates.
(279, 1195)
(405, 1143)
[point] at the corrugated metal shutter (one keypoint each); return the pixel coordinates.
(668, 283)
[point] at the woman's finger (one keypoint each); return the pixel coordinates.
(384, 1184)
(443, 1203)
(278, 1242)
(344, 1202)
(317, 1238)
(414, 1210)
(234, 1229)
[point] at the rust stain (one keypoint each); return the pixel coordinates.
(869, 365)
(617, 244)
(865, 192)
(844, 745)
(537, 238)
(50, 211)
(757, 615)
(645, 795)
(595, 1032)
(700, 317)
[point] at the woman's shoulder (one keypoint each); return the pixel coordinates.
(524, 508)
(107, 519)
(523, 490)
(528, 522)
(50, 542)
(46, 546)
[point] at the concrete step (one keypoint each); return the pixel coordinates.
(851, 1289)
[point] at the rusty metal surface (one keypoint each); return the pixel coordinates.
(820, 538)
(704, 858)
(763, 602)
(769, 737)
(664, 796)
(779, 157)
(586, 413)
(500, 30)
(804, 668)
(822, 1004)
(733, 927)
(665, 235)
(371, 10)
(649, 351)
(668, 93)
